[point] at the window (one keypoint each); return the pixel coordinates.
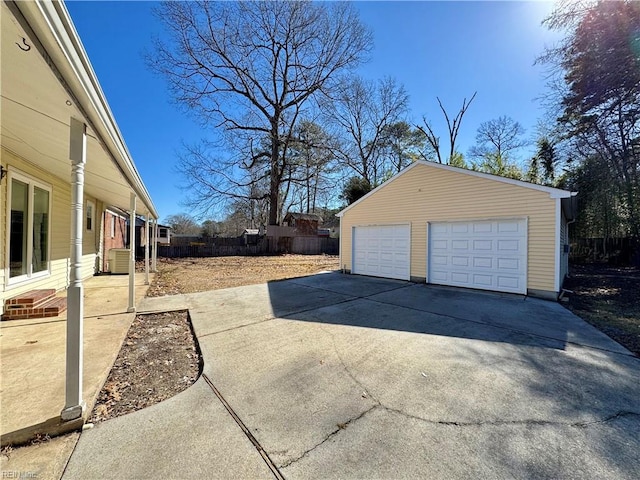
(113, 226)
(90, 212)
(29, 212)
(163, 233)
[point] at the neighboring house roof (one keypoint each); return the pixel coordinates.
(51, 80)
(304, 216)
(569, 204)
(251, 231)
(141, 221)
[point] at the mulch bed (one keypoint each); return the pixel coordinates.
(158, 359)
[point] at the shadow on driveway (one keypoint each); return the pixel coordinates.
(417, 308)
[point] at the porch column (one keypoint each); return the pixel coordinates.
(132, 254)
(74, 406)
(154, 268)
(147, 237)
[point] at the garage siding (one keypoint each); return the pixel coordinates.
(427, 194)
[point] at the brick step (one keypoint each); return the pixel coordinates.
(51, 308)
(31, 299)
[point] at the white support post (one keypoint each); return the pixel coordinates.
(155, 246)
(147, 238)
(74, 406)
(132, 254)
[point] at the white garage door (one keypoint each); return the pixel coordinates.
(487, 254)
(382, 251)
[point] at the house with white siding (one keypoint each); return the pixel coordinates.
(450, 226)
(63, 164)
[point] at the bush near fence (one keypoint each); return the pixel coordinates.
(615, 251)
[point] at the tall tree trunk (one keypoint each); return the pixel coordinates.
(274, 190)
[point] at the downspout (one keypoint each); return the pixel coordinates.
(74, 406)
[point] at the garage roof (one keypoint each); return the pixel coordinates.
(567, 197)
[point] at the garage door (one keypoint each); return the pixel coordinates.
(489, 255)
(382, 251)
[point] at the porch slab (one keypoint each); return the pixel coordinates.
(32, 352)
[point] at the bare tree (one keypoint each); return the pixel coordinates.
(183, 223)
(360, 114)
(453, 125)
(498, 137)
(250, 68)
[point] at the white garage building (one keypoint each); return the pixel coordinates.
(450, 226)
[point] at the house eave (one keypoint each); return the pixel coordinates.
(52, 25)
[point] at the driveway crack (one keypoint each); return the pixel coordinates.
(346, 369)
(609, 418)
(340, 427)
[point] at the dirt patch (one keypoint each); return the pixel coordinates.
(158, 359)
(609, 299)
(192, 275)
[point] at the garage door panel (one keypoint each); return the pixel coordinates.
(460, 277)
(484, 280)
(482, 262)
(439, 228)
(509, 264)
(508, 245)
(459, 244)
(483, 245)
(485, 254)
(460, 228)
(439, 245)
(509, 227)
(382, 251)
(482, 228)
(440, 259)
(460, 261)
(508, 282)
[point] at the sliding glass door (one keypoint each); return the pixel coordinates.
(29, 213)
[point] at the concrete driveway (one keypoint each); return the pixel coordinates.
(339, 376)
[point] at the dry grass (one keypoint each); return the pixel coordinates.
(191, 275)
(608, 298)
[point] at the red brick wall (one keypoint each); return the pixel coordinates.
(118, 240)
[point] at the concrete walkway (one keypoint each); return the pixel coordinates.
(33, 371)
(336, 376)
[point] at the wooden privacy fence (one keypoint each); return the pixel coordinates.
(211, 250)
(264, 246)
(304, 245)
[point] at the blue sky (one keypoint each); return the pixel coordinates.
(436, 49)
